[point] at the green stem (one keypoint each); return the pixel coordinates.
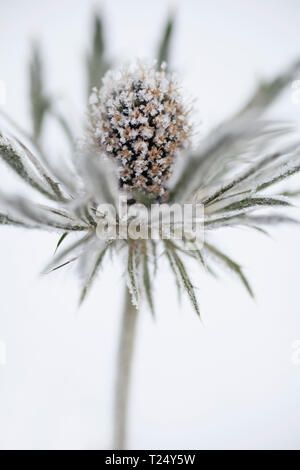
(124, 367)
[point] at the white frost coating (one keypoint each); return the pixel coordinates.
(139, 118)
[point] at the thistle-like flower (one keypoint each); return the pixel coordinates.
(210, 176)
(139, 118)
(139, 122)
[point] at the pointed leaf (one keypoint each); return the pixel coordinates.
(147, 282)
(97, 65)
(232, 265)
(132, 278)
(39, 101)
(164, 47)
(255, 202)
(187, 284)
(93, 274)
(60, 241)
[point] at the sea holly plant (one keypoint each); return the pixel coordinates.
(133, 165)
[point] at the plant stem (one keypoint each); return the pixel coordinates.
(124, 366)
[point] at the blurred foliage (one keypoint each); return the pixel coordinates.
(164, 46)
(268, 91)
(40, 102)
(97, 64)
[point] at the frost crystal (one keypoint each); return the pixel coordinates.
(138, 117)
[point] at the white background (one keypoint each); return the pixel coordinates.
(230, 384)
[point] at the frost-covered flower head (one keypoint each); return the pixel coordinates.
(139, 118)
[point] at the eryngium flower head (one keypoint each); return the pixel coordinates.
(139, 118)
